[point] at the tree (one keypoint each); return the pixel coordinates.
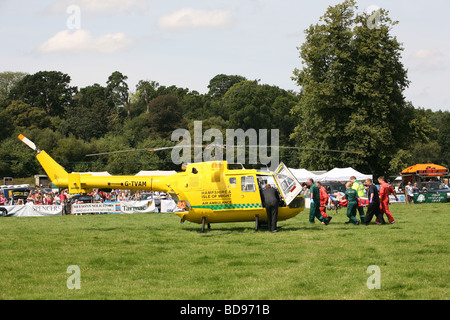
(167, 115)
(7, 81)
(256, 106)
(251, 105)
(196, 106)
(118, 91)
(352, 85)
(22, 115)
(146, 91)
(221, 83)
(91, 115)
(444, 139)
(48, 90)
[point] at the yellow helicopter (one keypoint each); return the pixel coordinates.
(207, 192)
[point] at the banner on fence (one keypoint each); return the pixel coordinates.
(81, 208)
(114, 207)
(430, 197)
(33, 210)
(400, 197)
(144, 206)
(128, 207)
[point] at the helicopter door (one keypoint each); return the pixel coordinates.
(287, 183)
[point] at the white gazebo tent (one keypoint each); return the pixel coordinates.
(342, 174)
(302, 175)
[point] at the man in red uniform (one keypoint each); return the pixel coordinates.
(323, 200)
(385, 191)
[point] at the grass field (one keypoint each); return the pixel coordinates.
(153, 256)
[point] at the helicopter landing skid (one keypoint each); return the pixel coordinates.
(256, 222)
(204, 223)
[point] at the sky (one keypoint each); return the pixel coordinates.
(187, 43)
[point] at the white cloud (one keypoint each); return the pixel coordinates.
(82, 41)
(425, 54)
(189, 18)
(425, 60)
(101, 6)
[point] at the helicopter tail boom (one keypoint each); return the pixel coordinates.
(57, 174)
(84, 182)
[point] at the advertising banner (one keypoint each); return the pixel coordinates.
(144, 206)
(81, 208)
(114, 207)
(400, 197)
(33, 210)
(430, 197)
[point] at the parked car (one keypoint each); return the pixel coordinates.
(434, 187)
(333, 187)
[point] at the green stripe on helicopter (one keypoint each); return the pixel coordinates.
(230, 206)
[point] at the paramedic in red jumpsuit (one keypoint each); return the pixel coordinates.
(323, 200)
(385, 191)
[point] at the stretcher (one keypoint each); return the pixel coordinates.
(339, 201)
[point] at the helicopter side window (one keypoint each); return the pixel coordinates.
(286, 183)
(248, 184)
(232, 180)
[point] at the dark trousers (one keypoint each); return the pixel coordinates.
(272, 217)
(314, 211)
(373, 209)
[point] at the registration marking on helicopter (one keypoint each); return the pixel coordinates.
(130, 184)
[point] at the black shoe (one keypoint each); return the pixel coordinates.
(326, 220)
(348, 222)
(273, 231)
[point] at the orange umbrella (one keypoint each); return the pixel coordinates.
(426, 169)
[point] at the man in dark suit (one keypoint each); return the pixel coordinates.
(374, 204)
(271, 200)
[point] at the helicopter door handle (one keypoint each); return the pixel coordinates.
(242, 195)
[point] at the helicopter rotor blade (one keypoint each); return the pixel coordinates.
(113, 152)
(220, 146)
(153, 149)
(296, 148)
(326, 150)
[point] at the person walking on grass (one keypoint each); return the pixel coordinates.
(323, 202)
(352, 203)
(385, 191)
(314, 209)
(374, 204)
(359, 188)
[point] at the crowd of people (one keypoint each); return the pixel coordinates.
(43, 197)
(37, 197)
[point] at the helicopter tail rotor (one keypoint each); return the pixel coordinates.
(28, 142)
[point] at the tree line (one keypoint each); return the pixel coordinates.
(350, 97)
